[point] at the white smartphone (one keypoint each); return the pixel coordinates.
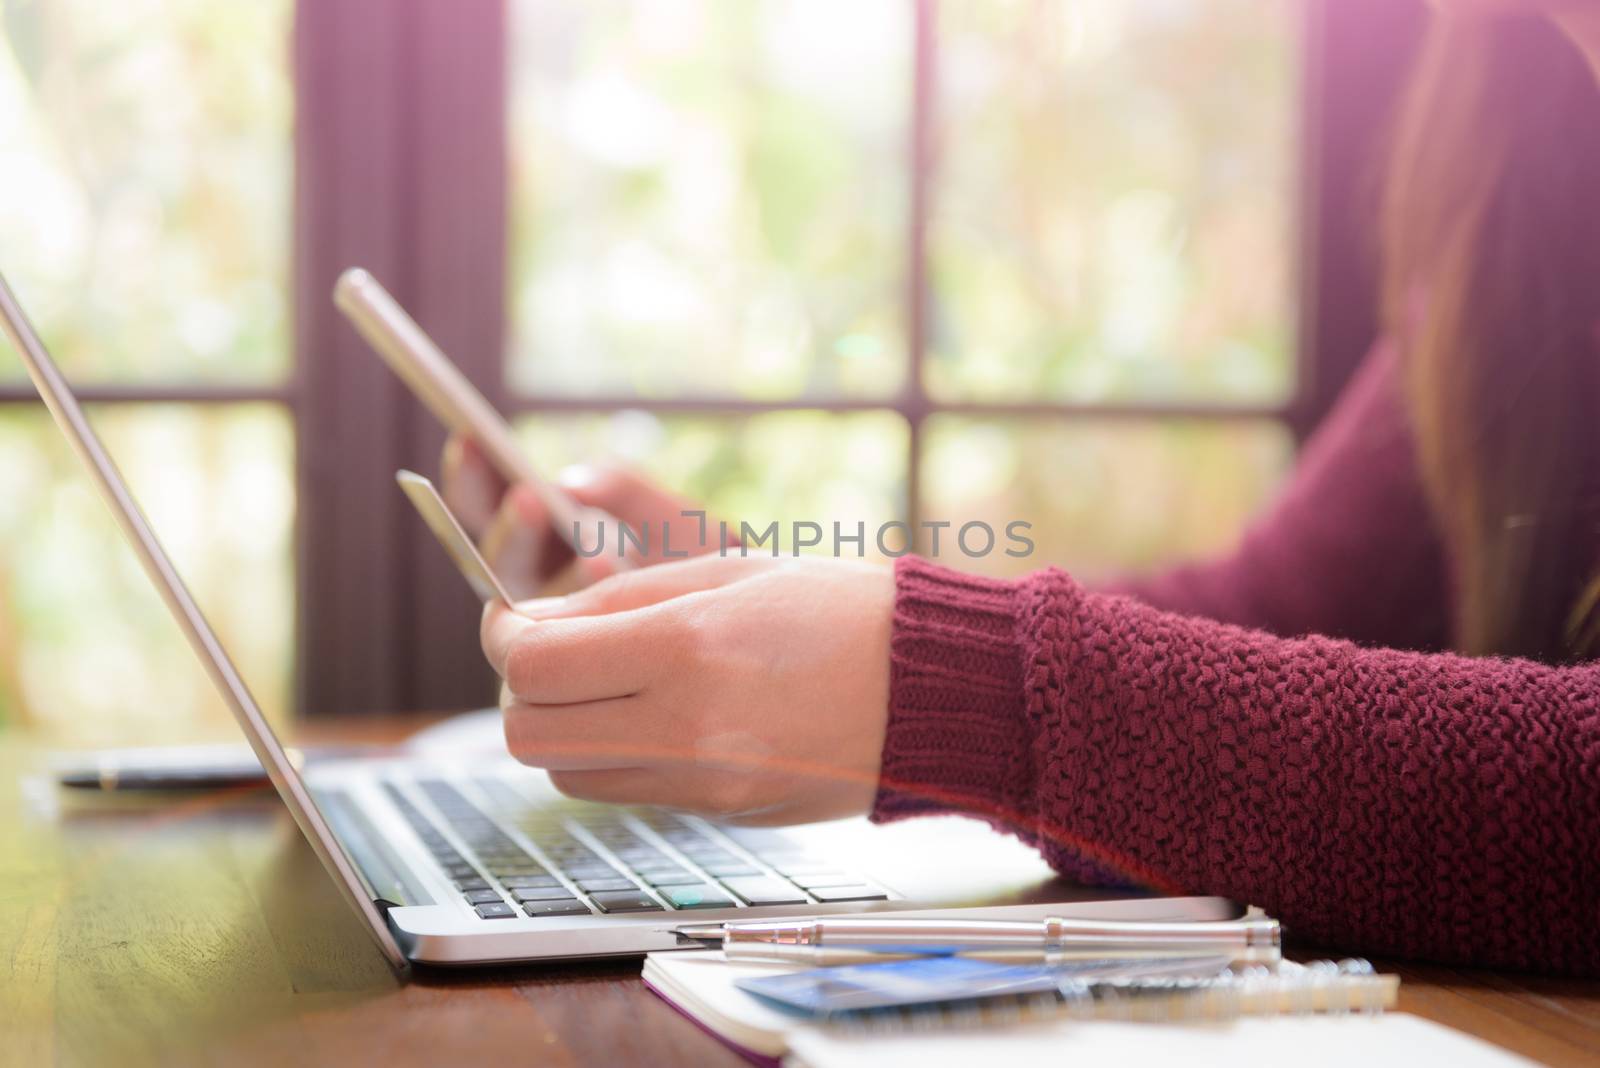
(453, 400)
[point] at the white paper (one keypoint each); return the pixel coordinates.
(1302, 1042)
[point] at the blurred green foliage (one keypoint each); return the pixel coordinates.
(147, 181)
(1105, 497)
(88, 653)
(822, 467)
(709, 197)
(1112, 220)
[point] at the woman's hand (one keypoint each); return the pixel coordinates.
(751, 690)
(514, 532)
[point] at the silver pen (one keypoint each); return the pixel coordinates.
(851, 939)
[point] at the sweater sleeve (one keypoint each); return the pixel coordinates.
(1348, 549)
(1390, 803)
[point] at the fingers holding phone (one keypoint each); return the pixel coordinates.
(515, 530)
(647, 510)
(470, 485)
(510, 523)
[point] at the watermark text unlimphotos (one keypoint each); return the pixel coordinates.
(691, 534)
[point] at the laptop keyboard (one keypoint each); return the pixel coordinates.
(586, 860)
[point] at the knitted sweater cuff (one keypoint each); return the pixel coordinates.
(958, 739)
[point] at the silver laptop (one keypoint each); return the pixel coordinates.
(461, 860)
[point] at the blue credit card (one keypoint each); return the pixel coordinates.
(944, 979)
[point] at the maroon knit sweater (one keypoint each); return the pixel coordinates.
(1168, 734)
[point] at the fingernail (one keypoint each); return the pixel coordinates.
(539, 607)
(577, 476)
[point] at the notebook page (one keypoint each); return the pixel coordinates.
(1306, 1042)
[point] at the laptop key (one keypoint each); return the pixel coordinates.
(721, 868)
(848, 893)
(498, 910)
(540, 893)
(596, 870)
(679, 877)
(506, 871)
(590, 885)
(698, 897)
(625, 901)
(821, 879)
(709, 853)
(792, 866)
(520, 882)
(664, 867)
(480, 897)
(640, 854)
(471, 883)
(677, 833)
(760, 891)
(568, 906)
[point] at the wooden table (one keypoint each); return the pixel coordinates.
(197, 929)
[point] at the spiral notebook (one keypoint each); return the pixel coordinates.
(705, 988)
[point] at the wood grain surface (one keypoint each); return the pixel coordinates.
(199, 928)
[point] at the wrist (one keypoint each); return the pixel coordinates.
(958, 738)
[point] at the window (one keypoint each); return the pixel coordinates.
(150, 143)
(849, 262)
(802, 259)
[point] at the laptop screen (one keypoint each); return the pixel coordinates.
(64, 408)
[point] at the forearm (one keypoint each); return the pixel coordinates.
(1391, 803)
